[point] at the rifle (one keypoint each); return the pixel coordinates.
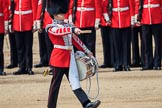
(109, 8)
(74, 11)
(140, 9)
(12, 8)
(42, 13)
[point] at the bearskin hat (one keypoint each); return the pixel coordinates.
(57, 7)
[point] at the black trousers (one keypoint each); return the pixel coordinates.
(107, 45)
(58, 74)
(137, 47)
(45, 47)
(147, 32)
(1, 52)
(24, 44)
(89, 39)
(13, 50)
(121, 46)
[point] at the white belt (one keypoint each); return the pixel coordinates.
(85, 9)
(1, 14)
(63, 47)
(120, 9)
(151, 5)
(23, 12)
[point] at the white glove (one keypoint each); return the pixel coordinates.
(132, 20)
(135, 18)
(97, 23)
(38, 24)
(35, 25)
(6, 25)
(106, 17)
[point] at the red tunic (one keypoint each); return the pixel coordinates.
(60, 33)
(122, 11)
(46, 19)
(4, 15)
(152, 13)
(87, 13)
(24, 14)
(105, 16)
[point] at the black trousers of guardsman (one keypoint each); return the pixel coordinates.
(45, 47)
(121, 46)
(58, 74)
(1, 52)
(148, 31)
(137, 47)
(13, 50)
(107, 45)
(24, 44)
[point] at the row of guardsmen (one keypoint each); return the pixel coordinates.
(119, 20)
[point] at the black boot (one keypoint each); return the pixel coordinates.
(10, 66)
(126, 68)
(30, 72)
(41, 65)
(2, 73)
(93, 104)
(20, 72)
(118, 68)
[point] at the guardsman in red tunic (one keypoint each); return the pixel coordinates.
(86, 15)
(4, 14)
(150, 17)
(45, 45)
(12, 40)
(24, 25)
(105, 34)
(137, 47)
(136, 35)
(62, 57)
(122, 18)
